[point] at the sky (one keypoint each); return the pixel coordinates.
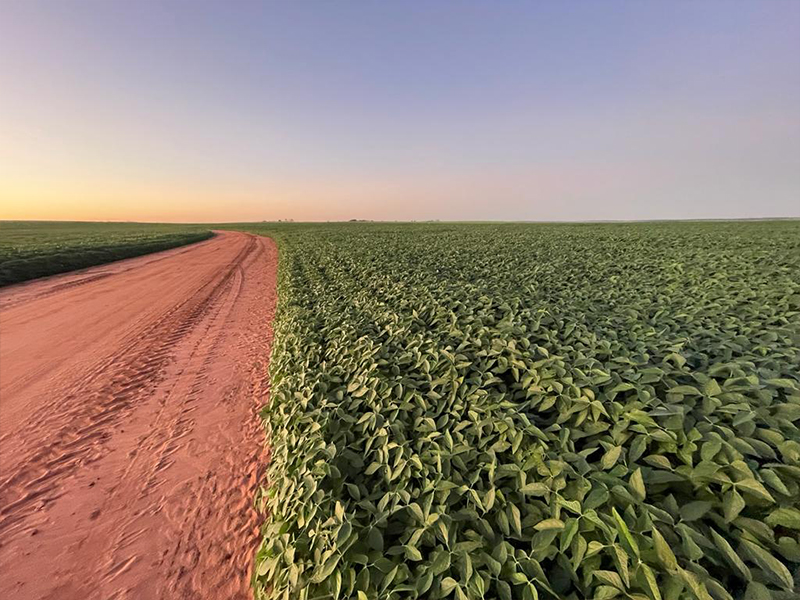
(335, 110)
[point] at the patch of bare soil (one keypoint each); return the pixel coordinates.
(130, 444)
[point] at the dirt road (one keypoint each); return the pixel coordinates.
(129, 438)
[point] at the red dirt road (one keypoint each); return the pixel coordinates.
(130, 443)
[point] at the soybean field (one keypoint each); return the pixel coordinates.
(553, 411)
(31, 249)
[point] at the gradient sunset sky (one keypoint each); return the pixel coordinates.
(234, 111)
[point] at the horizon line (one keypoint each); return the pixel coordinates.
(401, 222)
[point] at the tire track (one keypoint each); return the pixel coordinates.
(109, 465)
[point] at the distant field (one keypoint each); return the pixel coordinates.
(534, 411)
(31, 249)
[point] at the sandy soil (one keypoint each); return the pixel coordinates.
(130, 444)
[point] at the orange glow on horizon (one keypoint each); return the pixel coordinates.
(309, 201)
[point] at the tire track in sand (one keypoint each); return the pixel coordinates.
(130, 472)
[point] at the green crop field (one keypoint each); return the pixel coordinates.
(534, 411)
(30, 249)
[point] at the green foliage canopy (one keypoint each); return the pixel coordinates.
(534, 411)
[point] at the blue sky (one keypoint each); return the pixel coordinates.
(399, 110)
